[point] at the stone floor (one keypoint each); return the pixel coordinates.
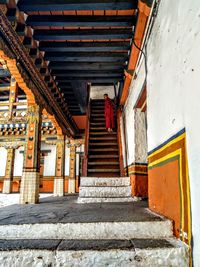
(67, 210)
(10, 199)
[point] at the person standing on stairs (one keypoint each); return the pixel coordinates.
(109, 113)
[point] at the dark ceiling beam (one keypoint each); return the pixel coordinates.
(86, 34)
(102, 73)
(90, 79)
(86, 66)
(80, 21)
(62, 5)
(74, 75)
(86, 57)
(83, 46)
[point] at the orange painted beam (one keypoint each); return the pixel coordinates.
(143, 15)
(144, 12)
(125, 90)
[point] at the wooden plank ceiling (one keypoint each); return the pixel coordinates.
(82, 41)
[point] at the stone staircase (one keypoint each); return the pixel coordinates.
(60, 232)
(103, 159)
(105, 189)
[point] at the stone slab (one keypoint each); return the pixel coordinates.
(83, 200)
(105, 181)
(161, 253)
(67, 210)
(95, 230)
(105, 191)
(81, 244)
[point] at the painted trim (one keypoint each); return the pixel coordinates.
(166, 142)
(175, 149)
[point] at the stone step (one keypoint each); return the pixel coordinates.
(91, 230)
(84, 200)
(105, 181)
(94, 253)
(105, 191)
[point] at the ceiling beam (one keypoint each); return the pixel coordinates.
(83, 46)
(86, 57)
(86, 66)
(85, 76)
(90, 79)
(62, 5)
(86, 34)
(102, 73)
(80, 21)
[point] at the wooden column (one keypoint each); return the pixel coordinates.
(12, 96)
(29, 193)
(72, 169)
(60, 167)
(7, 184)
(41, 169)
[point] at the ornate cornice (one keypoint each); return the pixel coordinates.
(38, 86)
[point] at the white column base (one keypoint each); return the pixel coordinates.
(29, 191)
(7, 186)
(71, 186)
(58, 190)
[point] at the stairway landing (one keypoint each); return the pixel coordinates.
(61, 232)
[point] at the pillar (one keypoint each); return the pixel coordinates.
(60, 166)
(12, 96)
(41, 169)
(7, 184)
(138, 170)
(72, 170)
(29, 191)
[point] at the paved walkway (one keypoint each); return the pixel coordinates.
(67, 210)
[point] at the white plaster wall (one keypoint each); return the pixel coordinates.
(18, 162)
(97, 92)
(173, 89)
(3, 158)
(129, 113)
(49, 160)
(67, 158)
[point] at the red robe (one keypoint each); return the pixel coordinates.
(109, 113)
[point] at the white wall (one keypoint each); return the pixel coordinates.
(49, 160)
(67, 158)
(97, 92)
(3, 159)
(18, 162)
(174, 89)
(129, 114)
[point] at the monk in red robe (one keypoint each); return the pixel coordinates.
(109, 113)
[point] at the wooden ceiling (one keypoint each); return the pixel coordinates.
(82, 41)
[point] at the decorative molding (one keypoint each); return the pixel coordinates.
(39, 87)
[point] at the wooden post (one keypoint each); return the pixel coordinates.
(29, 193)
(72, 169)
(12, 96)
(60, 167)
(7, 184)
